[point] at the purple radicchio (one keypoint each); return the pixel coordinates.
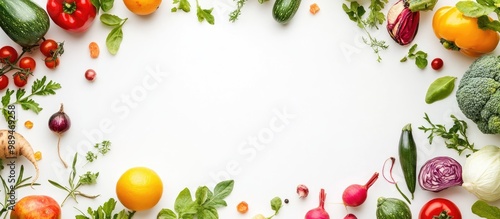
(402, 23)
(440, 173)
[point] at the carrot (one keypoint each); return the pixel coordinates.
(21, 148)
(314, 8)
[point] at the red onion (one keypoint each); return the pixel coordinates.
(319, 212)
(355, 195)
(440, 173)
(59, 123)
(302, 191)
(402, 23)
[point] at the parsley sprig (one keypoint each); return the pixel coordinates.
(106, 211)
(99, 149)
(183, 5)
(204, 206)
(355, 11)
(419, 56)
(40, 87)
(455, 137)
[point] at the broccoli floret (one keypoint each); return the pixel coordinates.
(478, 93)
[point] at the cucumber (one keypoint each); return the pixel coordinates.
(284, 10)
(408, 158)
(392, 208)
(23, 21)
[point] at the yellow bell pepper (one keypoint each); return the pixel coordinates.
(458, 32)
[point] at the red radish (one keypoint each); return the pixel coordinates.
(319, 212)
(354, 195)
(350, 216)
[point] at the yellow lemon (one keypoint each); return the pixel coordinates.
(139, 188)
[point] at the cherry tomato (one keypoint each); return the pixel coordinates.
(20, 79)
(27, 63)
(4, 81)
(48, 47)
(90, 74)
(8, 52)
(51, 63)
(433, 208)
(437, 63)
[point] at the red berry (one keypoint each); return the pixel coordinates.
(437, 63)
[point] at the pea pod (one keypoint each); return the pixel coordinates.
(408, 158)
(440, 89)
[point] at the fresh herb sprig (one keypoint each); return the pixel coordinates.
(19, 183)
(276, 204)
(99, 149)
(204, 206)
(480, 9)
(104, 5)
(204, 14)
(106, 211)
(88, 178)
(455, 137)
(419, 56)
(183, 5)
(485, 210)
(115, 36)
(233, 16)
(40, 87)
(356, 11)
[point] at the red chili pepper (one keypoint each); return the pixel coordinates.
(72, 15)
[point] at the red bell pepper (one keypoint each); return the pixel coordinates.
(72, 15)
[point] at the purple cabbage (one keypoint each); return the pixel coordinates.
(440, 173)
(402, 23)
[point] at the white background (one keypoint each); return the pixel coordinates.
(216, 87)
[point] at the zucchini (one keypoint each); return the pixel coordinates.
(284, 10)
(408, 158)
(392, 208)
(23, 21)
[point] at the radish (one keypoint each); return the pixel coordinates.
(354, 195)
(350, 216)
(319, 212)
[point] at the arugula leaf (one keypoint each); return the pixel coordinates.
(484, 210)
(204, 14)
(182, 4)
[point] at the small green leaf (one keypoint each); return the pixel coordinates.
(184, 203)
(114, 40)
(109, 206)
(96, 3)
(276, 204)
(205, 14)
(421, 62)
(484, 210)
(110, 20)
(201, 195)
(474, 9)
(88, 178)
(440, 89)
(185, 5)
(106, 5)
(166, 214)
(208, 213)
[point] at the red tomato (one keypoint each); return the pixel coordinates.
(90, 74)
(36, 206)
(433, 208)
(437, 63)
(20, 79)
(48, 47)
(8, 52)
(27, 63)
(51, 63)
(4, 81)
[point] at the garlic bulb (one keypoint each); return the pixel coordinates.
(481, 173)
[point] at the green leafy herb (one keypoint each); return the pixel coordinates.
(440, 89)
(103, 148)
(20, 182)
(455, 137)
(376, 16)
(233, 16)
(355, 12)
(105, 211)
(88, 178)
(276, 205)
(419, 56)
(105, 5)
(204, 205)
(115, 37)
(484, 210)
(40, 87)
(181, 4)
(480, 9)
(204, 14)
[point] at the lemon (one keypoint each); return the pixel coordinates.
(139, 188)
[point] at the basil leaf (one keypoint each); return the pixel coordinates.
(421, 62)
(114, 40)
(184, 203)
(484, 210)
(166, 214)
(96, 4)
(110, 20)
(440, 89)
(276, 204)
(474, 9)
(223, 189)
(106, 5)
(205, 14)
(201, 195)
(208, 213)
